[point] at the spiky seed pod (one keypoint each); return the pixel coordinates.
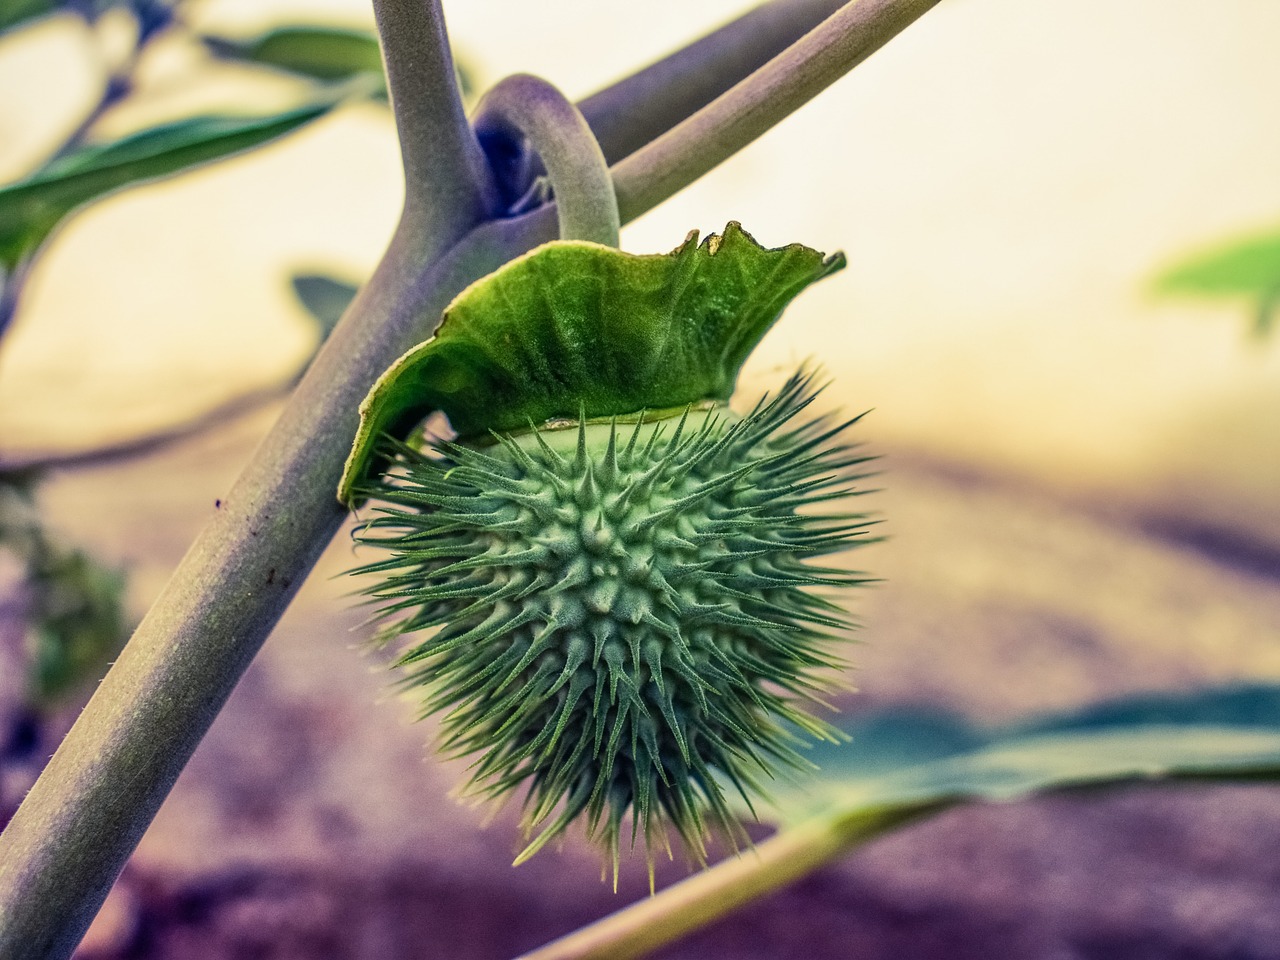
(618, 616)
(620, 619)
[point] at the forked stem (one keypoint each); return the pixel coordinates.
(444, 169)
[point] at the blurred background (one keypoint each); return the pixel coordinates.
(1062, 222)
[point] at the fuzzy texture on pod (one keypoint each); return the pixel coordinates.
(623, 625)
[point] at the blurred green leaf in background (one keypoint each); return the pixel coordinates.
(904, 759)
(73, 606)
(14, 13)
(1247, 268)
(321, 53)
(30, 209)
(324, 297)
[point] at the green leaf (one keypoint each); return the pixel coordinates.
(1243, 268)
(321, 53)
(325, 298)
(943, 760)
(78, 622)
(575, 328)
(15, 13)
(73, 606)
(32, 208)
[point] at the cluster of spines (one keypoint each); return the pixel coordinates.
(623, 631)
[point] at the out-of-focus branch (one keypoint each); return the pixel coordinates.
(705, 897)
(126, 449)
(781, 86)
(628, 114)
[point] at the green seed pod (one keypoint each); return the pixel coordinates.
(616, 613)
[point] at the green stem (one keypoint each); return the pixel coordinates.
(781, 86)
(523, 107)
(707, 896)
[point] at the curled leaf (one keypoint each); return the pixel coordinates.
(577, 328)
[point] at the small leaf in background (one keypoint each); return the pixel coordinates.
(904, 760)
(14, 13)
(1247, 268)
(325, 298)
(77, 623)
(322, 53)
(32, 208)
(72, 606)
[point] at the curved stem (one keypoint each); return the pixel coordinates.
(705, 897)
(528, 108)
(781, 86)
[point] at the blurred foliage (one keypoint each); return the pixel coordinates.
(32, 208)
(321, 53)
(15, 13)
(324, 297)
(77, 622)
(1244, 268)
(73, 606)
(903, 759)
(74, 617)
(336, 63)
(150, 15)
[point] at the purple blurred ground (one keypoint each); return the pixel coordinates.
(312, 824)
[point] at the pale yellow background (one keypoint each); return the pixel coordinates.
(1006, 178)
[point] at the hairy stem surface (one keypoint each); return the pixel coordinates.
(444, 169)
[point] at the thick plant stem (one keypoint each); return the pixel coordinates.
(524, 107)
(86, 813)
(781, 86)
(707, 896)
